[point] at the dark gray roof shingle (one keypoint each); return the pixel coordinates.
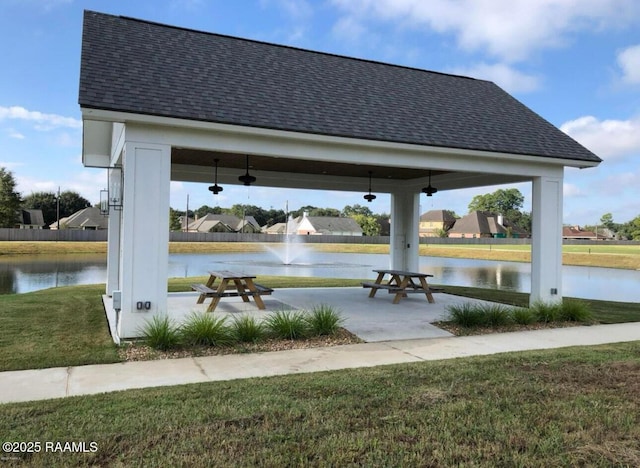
(142, 67)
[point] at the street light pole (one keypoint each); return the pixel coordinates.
(58, 209)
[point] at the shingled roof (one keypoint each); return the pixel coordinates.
(142, 67)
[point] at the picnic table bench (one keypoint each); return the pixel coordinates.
(231, 284)
(401, 283)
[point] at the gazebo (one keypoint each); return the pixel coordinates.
(162, 103)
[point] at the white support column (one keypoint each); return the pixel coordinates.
(546, 242)
(405, 216)
(144, 244)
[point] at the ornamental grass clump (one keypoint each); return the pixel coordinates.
(547, 312)
(160, 333)
(466, 315)
(523, 316)
(324, 320)
(496, 315)
(246, 329)
(205, 329)
(287, 325)
(576, 311)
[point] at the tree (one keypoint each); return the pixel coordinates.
(499, 202)
(9, 199)
(174, 220)
(44, 201)
(369, 224)
(630, 230)
(206, 209)
(71, 202)
(356, 210)
(607, 221)
(505, 202)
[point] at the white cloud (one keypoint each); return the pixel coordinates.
(349, 28)
(13, 133)
(296, 9)
(508, 29)
(87, 183)
(10, 165)
(629, 62)
(571, 190)
(606, 138)
(41, 120)
(505, 76)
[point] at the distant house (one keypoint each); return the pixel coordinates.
(224, 223)
(576, 232)
(328, 226)
(434, 222)
(278, 228)
(184, 222)
(87, 219)
(479, 224)
(30, 219)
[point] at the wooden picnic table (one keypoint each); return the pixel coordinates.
(401, 283)
(230, 284)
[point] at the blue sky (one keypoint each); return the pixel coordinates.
(574, 62)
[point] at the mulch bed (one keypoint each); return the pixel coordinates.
(137, 351)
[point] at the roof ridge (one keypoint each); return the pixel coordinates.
(284, 46)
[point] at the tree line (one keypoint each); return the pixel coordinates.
(507, 202)
(11, 202)
(372, 224)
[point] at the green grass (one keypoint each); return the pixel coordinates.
(564, 407)
(205, 329)
(246, 329)
(54, 327)
(323, 320)
(287, 325)
(160, 333)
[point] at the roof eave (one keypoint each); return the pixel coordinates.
(97, 138)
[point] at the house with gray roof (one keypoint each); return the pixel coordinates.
(434, 223)
(479, 224)
(87, 219)
(163, 103)
(30, 219)
(327, 226)
(224, 223)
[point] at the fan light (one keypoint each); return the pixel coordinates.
(369, 197)
(429, 190)
(215, 188)
(247, 179)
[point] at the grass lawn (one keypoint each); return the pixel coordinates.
(568, 407)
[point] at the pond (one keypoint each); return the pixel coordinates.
(20, 274)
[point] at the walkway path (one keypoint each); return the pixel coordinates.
(61, 382)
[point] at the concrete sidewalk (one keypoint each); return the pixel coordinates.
(28, 385)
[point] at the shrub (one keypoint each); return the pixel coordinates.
(287, 325)
(576, 311)
(206, 329)
(465, 314)
(323, 320)
(547, 312)
(247, 329)
(496, 315)
(523, 316)
(160, 333)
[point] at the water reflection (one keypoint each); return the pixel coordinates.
(24, 273)
(21, 274)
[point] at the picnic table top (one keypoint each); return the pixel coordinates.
(227, 274)
(404, 273)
